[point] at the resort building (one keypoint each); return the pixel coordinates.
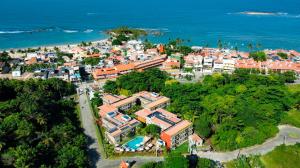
(117, 124)
(177, 134)
(160, 117)
(151, 101)
(174, 130)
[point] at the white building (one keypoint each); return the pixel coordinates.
(207, 65)
(17, 72)
(228, 65)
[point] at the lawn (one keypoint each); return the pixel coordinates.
(292, 118)
(182, 148)
(283, 156)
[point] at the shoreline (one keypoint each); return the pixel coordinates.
(50, 46)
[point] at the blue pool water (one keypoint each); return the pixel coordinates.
(133, 143)
(27, 23)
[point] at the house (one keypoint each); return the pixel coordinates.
(195, 140)
(177, 134)
(228, 65)
(218, 65)
(17, 72)
(208, 64)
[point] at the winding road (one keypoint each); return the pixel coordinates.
(287, 135)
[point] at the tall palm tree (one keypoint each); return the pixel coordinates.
(220, 44)
(250, 47)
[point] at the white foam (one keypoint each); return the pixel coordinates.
(70, 31)
(14, 32)
(88, 31)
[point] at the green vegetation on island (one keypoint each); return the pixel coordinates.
(124, 34)
(39, 126)
(233, 111)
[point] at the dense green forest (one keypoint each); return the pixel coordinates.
(39, 126)
(234, 111)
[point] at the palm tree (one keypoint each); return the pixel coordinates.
(250, 47)
(220, 44)
(258, 45)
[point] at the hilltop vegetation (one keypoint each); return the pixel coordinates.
(39, 126)
(234, 111)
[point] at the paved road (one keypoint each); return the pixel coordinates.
(88, 124)
(138, 161)
(94, 153)
(287, 134)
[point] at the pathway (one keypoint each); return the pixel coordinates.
(287, 135)
(88, 124)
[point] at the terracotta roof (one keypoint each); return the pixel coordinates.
(124, 67)
(111, 98)
(124, 101)
(104, 109)
(195, 138)
(160, 123)
(157, 102)
(178, 127)
(124, 165)
(31, 61)
(143, 113)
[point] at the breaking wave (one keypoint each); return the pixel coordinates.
(276, 14)
(70, 31)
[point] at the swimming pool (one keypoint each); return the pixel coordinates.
(133, 144)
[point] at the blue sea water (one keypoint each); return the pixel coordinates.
(29, 23)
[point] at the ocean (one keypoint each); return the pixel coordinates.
(31, 23)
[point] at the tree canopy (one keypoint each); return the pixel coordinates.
(258, 56)
(234, 111)
(39, 126)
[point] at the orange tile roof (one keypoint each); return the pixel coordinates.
(111, 98)
(124, 101)
(104, 109)
(157, 102)
(124, 67)
(195, 138)
(31, 61)
(168, 114)
(178, 127)
(124, 165)
(143, 113)
(160, 122)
